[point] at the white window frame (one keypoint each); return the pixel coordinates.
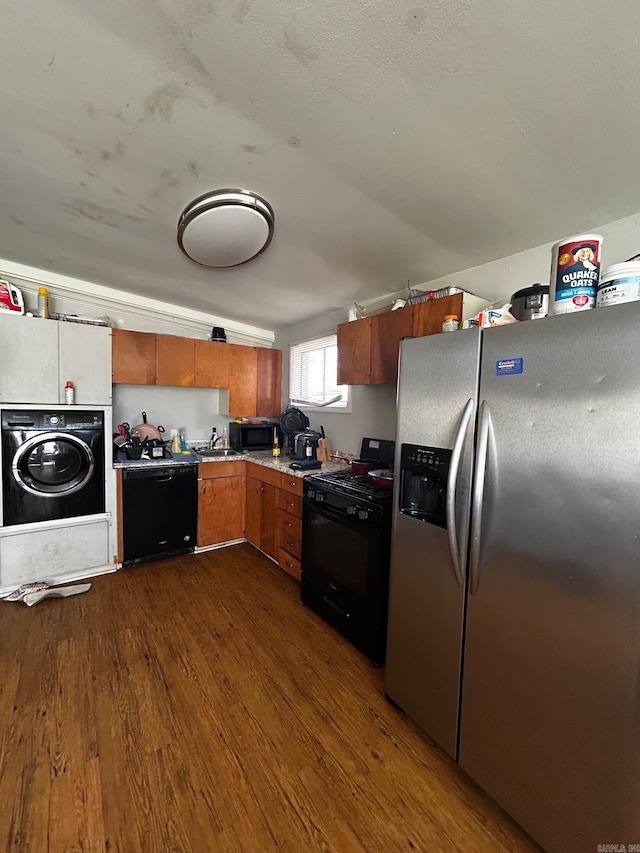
(295, 349)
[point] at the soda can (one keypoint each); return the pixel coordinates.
(575, 272)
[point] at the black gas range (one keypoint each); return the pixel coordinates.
(346, 543)
(345, 487)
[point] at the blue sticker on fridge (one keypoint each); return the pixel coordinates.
(509, 366)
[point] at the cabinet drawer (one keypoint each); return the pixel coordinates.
(289, 542)
(289, 502)
(264, 474)
(211, 470)
(290, 524)
(290, 564)
(291, 484)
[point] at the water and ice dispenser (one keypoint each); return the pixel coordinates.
(423, 482)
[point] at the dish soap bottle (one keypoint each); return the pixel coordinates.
(225, 440)
(275, 450)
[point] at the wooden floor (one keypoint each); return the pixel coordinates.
(196, 705)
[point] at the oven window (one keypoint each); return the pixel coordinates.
(338, 552)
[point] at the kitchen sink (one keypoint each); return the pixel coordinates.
(217, 451)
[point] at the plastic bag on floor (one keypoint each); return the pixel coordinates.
(32, 593)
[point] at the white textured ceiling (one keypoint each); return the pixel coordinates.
(395, 140)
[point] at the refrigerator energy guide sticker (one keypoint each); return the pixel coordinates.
(509, 366)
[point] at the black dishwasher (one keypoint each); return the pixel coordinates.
(159, 512)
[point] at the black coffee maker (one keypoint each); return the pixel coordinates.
(305, 445)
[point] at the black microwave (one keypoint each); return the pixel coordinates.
(253, 436)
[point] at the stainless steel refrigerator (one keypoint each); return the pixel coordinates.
(514, 614)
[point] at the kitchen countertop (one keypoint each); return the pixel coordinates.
(263, 458)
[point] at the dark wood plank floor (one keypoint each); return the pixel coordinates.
(196, 705)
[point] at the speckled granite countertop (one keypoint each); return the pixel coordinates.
(263, 458)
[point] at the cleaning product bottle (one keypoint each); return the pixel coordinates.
(225, 439)
(43, 303)
(69, 394)
(275, 450)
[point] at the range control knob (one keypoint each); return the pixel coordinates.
(363, 514)
(351, 510)
(319, 497)
(310, 494)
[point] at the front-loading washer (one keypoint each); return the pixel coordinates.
(52, 464)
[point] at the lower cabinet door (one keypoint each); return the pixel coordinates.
(269, 498)
(252, 516)
(220, 510)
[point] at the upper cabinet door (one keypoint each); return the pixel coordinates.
(85, 359)
(429, 316)
(29, 360)
(211, 364)
(175, 360)
(243, 380)
(134, 357)
(269, 390)
(387, 330)
(354, 352)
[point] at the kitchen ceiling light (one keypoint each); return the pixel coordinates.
(225, 228)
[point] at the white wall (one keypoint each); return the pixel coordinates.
(196, 409)
(373, 407)
(499, 279)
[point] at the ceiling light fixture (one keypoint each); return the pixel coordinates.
(225, 228)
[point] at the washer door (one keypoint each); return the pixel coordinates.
(53, 464)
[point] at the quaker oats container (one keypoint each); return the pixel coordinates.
(575, 272)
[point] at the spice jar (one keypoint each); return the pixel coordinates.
(451, 323)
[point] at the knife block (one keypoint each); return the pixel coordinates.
(324, 450)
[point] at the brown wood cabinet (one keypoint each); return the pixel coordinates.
(221, 502)
(133, 357)
(368, 349)
(289, 532)
(269, 383)
(429, 316)
(212, 360)
(253, 375)
(354, 352)
(274, 515)
(260, 527)
(175, 363)
(387, 331)
(243, 380)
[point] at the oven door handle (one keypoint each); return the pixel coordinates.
(452, 482)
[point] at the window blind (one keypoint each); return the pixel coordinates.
(313, 373)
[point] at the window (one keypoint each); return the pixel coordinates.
(313, 375)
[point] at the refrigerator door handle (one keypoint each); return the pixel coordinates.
(450, 500)
(478, 496)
